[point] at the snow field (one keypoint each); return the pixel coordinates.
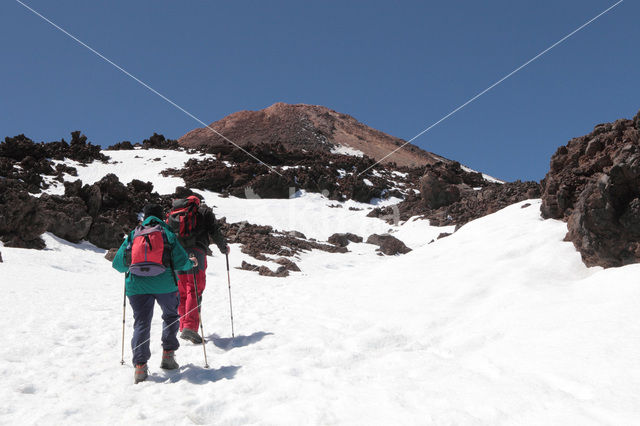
(498, 324)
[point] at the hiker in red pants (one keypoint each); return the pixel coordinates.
(196, 227)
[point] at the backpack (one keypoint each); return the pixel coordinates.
(183, 219)
(148, 253)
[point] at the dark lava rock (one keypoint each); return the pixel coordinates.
(156, 141)
(20, 147)
(66, 217)
(288, 264)
(333, 175)
(265, 271)
(342, 240)
(437, 193)
(452, 196)
(121, 146)
(389, 244)
(109, 231)
(594, 185)
(79, 149)
(489, 199)
(267, 186)
(259, 240)
(297, 234)
(21, 219)
(113, 192)
(111, 254)
(280, 272)
(246, 266)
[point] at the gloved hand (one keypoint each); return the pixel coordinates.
(193, 259)
(225, 250)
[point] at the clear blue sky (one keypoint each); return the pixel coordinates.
(396, 66)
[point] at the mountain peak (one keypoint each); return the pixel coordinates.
(309, 127)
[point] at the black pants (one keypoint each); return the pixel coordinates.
(142, 305)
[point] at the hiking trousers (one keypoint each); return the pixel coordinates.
(142, 305)
(188, 308)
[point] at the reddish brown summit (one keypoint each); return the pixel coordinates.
(309, 127)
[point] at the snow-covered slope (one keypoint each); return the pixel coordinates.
(499, 323)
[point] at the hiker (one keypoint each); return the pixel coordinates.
(195, 225)
(149, 256)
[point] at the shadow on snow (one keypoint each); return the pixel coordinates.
(228, 343)
(195, 374)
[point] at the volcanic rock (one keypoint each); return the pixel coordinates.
(156, 141)
(111, 254)
(438, 193)
(21, 219)
(282, 271)
(297, 234)
(333, 175)
(389, 244)
(66, 217)
(452, 195)
(109, 230)
(288, 264)
(594, 184)
(257, 241)
(343, 239)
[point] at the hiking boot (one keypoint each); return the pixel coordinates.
(190, 335)
(141, 373)
(169, 360)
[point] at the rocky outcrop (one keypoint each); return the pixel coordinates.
(336, 176)
(264, 270)
(100, 212)
(482, 202)
(451, 195)
(156, 141)
(258, 240)
(307, 127)
(343, 239)
(388, 244)
(21, 219)
(437, 193)
(594, 184)
(111, 254)
(288, 264)
(66, 217)
(27, 161)
(79, 149)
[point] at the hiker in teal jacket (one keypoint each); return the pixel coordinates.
(142, 291)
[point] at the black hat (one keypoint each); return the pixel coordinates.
(152, 210)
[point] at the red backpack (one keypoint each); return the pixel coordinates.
(183, 217)
(148, 253)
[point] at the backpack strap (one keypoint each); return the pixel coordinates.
(173, 272)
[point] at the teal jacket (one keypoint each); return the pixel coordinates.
(163, 283)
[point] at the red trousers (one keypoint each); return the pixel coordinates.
(188, 307)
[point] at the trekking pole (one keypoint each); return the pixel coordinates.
(230, 306)
(195, 285)
(124, 307)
